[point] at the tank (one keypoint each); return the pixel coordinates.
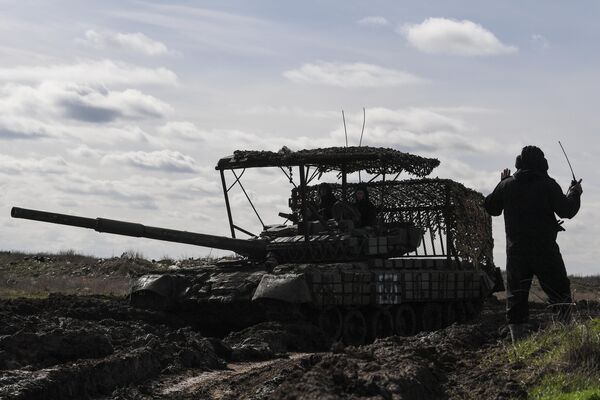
(423, 261)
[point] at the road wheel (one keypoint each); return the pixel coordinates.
(473, 308)
(149, 300)
(405, 320)
(331, 322)
(355, 328)
(431, 317)
(381, 324)
(449, 314)
(461, 312)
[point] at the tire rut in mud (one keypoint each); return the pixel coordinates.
(446, 364)
(70, 347)
(74, 347)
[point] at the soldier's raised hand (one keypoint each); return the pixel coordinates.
(575, 187)
(505, 174)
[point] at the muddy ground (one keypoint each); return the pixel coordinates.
(97, 346)
(74, 347)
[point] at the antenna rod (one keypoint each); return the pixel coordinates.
(361, 137)
(345, 131)
(565, 153)
(363, 128)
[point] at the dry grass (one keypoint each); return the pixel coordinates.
(64, 256)
(12, 287)
(562, 361)
(583, 347)
(37, 275)
(582, 288)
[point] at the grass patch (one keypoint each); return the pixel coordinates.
(41, 287)
(583, 287)
(133, 255)
(63, 256)
(8, 294)
(562, 361)
(562, 386)
(38, 274)
(577, 345)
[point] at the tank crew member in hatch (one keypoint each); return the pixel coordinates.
(529, 199)
(326, 200)
(367, 210)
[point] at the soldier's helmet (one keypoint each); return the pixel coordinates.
(532, 157)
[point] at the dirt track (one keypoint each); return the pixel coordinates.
(73, 347)
(78, 347)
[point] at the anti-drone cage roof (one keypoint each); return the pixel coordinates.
(373, 160)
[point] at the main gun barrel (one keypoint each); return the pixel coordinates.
(251, 248)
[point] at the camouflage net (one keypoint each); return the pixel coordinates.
(438, 206)
(373, 160)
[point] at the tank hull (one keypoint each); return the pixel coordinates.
(352, 301)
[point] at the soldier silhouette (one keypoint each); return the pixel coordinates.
(530, 199)
(326, 200)
(367, 210)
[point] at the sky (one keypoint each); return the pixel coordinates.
(121, 109)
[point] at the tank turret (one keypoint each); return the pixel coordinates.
(278, 243)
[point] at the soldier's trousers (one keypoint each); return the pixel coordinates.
(544, 261)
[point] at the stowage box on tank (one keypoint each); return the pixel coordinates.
(421, 259)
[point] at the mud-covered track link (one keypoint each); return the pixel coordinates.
(360, 325)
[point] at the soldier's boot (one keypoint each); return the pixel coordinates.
(517, 332)
(565, 314)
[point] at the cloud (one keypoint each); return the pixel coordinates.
(416, 120)
(163, 160)
(355, 75)
(475, 178)
(463, 110)
(197, 14)
(540, 41)
(448, 36)
(215, 30)
(431, 142)
(14, 127)
(84, 151)
(412, 129)
(135, 42)
(80, 102)
(16, 53)
(119, 133)
(291, 111)
(241, 139)
(221, 139)
(419, 130)
(192, 188)
(96, 104)
(181, 130)
(148, 191)
(113, 189)
(47, 165)
(373, 21)
(105, 72)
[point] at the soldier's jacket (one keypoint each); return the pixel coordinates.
(529, 200)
